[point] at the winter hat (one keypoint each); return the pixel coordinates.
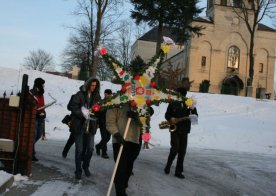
(108, 91)
(38, 85)
(39, 82)
(182, 91)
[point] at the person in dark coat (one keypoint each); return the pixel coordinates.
(105, 135)
(38, 93)
(71, 140)
(179, 137)
(83, 125)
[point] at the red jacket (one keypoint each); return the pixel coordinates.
(40, 113)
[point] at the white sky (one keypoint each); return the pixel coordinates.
(30, 25)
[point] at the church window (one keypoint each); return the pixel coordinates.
(233, 57)
(210, 4)
(203, 61)
(261, 68)
(223, 2)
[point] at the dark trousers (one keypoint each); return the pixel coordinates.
(39, 128)
(69, 143)
(178, 147)
(84, 143)
(105, 135)
(125, 166)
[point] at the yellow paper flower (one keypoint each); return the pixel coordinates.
(189, 102)
(165, 48)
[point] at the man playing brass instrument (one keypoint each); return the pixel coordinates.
(179, 137)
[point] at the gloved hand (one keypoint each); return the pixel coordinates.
(41, 115)
(131, 114)
(119, 138)
(85, 112)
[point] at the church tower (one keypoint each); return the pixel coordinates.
(214, 6)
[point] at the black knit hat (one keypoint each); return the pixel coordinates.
(108, 91)
(182, 91)
(39, 82)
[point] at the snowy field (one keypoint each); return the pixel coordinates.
(232, 151)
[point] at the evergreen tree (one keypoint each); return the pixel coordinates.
(177, 14)
(137, 66)
(180, 17)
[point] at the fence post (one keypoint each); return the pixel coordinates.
(20, 128)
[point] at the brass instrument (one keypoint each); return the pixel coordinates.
(171, 127)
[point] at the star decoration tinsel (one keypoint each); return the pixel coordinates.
(140, 91)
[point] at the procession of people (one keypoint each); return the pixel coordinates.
(83, 124)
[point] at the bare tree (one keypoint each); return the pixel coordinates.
(88, 33)
(252, 12)
(141, 29)
(125, 42)
(39, 60)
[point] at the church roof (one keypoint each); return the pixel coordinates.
(203, 19)
(263, 27)
(151, 35)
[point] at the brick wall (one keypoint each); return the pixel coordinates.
(18, 124)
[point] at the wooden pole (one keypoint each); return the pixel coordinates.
(118, 159)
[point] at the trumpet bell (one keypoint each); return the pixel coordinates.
(167, 125)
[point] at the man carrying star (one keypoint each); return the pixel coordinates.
(116, 120)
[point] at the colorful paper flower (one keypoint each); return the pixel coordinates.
(133, 104)
(189, 102)
(96, 108)
(146, 137)
(152, 84)
(137, 77)
(165, 48)
(103, 51)
(123, 88)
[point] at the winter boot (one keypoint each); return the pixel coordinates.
(34, 159)
(98, 150)
(86, 172)
(179, 175)
(167, 170)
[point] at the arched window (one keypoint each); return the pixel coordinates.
(233, 57)
(223, 2)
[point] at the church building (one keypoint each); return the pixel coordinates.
(221, 55)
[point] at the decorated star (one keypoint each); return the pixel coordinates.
(140, 90)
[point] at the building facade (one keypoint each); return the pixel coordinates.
(221, 55)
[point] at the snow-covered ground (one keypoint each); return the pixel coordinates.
(240, 127)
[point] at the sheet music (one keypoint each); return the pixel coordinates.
(194, 119)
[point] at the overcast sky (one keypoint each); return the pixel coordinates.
(37, 24)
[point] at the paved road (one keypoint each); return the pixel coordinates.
(208, 172)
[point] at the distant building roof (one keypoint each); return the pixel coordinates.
(65, 74)
(151, 35)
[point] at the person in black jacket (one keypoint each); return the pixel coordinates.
(83, 126)
(71, 140)
(105, 135)
(179, 137)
